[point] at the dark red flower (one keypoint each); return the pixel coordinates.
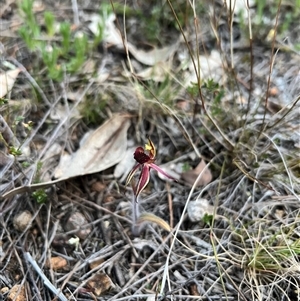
(145, 162)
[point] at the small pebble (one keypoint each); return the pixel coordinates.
(22, 220)
(78, 221)
(197, 209)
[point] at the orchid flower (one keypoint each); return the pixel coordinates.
(145, 162)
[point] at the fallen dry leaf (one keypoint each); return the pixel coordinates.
(154, 56)
(7, 80)
(112, 37)
(56, 263)
(274, 107)
(157, 72)
(103, 148)
(211, 67)
(110, 32)
(191, 176)
(4, 290)
(95, 263)
(152, 218)
(194, 290)
(98, 186)
(99, 283)
(17, 293)
(123, 168)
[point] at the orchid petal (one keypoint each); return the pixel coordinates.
(143, 180)
(160, 170)
(151, 148)
(131, 174)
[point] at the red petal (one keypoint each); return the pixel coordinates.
(143, 180)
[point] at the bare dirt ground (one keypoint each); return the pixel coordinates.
(225, 125)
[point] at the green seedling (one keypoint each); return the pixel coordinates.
(193, 90)
(208, 219)
(104, 12)
(3, 101)
(50, 57)
(49, 23)
(15, 151)
(214, 90)
(31, 30)
(67, 55)
(186, 167)
(65, 31)
(25, 164)
(40, 196)
(81, 48)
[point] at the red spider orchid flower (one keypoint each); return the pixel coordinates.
(145, 162)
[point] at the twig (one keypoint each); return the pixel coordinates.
(75, 11)
(46, 281)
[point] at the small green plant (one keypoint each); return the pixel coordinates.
(15, 151)
(273, 258)
(25, 164)
(31, 30)
(207, 219)
(65, 31)
(65, 53)
(186, 167)
(213, 89)
(80, 48)
(3, 101)
(50, 57)
(49, 23)
(269, 250)
(40, 196)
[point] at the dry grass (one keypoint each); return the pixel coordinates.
(241, 116)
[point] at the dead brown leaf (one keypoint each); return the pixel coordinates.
(56, 263)
(154, 56)
(99, 283)
(191, 176)
(112, 36)
(194, 290)
(103, 148)
(17, 293)
(94, 264)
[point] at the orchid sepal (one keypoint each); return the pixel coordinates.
(131, 174)
(161, 171)
(143, 180)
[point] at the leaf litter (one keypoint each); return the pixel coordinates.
(103, 148)
(7, 81)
